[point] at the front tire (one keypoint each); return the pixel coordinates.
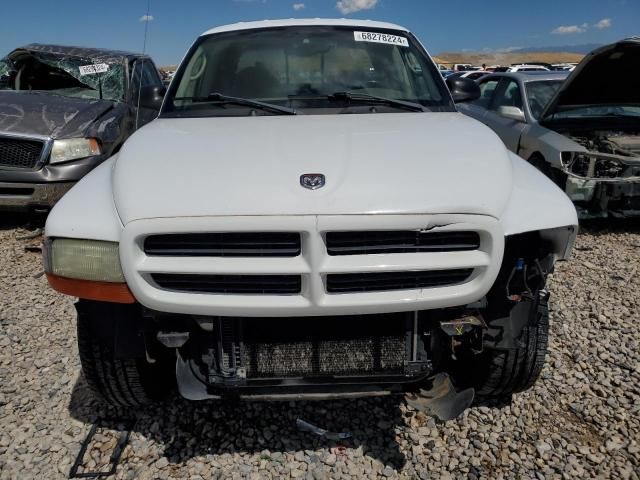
(504, 371)
(123, 380)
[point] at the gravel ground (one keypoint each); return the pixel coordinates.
(582, 419)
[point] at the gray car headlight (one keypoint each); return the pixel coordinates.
(73, 149)
(92, 260)
(592, 165)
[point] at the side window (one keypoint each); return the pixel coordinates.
(150, 75)
(136, 72)
(147, 71)
(509, 97)
(486, 93)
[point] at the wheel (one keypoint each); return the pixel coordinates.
(122, 378)
(503, 371)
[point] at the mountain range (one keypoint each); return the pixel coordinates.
(583, 49)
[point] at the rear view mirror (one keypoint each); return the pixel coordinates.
(512, 113)
(463, 89)
(151, 96)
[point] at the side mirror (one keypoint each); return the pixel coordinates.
(512, 113)
(463, 89)
(151, 96)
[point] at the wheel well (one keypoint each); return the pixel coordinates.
(538, 160)
(523, 252)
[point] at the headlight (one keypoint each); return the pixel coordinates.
(73, 149)
(592, 165)
(83, 260)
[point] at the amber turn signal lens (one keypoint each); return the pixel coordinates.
(91, 290)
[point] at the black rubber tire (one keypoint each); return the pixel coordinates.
(503, 372)
(122, 382)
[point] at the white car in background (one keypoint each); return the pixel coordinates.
(564, 67)
(528, 68)
(311, 217)
(472, 75)
(464, 67)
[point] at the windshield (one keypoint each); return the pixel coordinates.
(539, 94)
(301, 68)
(69, 76)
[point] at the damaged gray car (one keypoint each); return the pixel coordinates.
(64, 110)
(584, 133)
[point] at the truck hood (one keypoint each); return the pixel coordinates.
(373, 163)
(43, 114)
(601, 79)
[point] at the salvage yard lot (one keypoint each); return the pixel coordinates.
(581, 419)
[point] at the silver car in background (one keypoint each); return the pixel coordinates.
(581, 129)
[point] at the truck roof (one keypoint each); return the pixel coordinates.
(304, 22)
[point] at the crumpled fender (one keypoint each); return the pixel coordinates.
(537, 204)
(87, 210)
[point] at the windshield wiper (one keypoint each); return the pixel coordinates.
(373, 99)
(220, 99)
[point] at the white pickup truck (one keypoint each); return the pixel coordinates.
(310, 217)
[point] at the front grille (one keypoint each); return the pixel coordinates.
(376, 282)
(20, 153)
(365, 243)
(329, 346)
(230, 284)
(235, 244)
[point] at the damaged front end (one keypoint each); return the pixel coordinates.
(439, 358)
(605, 180)
(600, 115)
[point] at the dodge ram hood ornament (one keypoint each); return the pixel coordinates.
(312, 181)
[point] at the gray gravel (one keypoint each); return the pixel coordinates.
(582, 419)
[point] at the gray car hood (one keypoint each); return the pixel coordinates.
(42, 114)
(606, 76)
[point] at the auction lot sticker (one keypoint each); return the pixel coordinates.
(380, 38)
(95, 68)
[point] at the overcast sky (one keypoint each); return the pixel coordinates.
(442, 25)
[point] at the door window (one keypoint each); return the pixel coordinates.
(509, 96)
(150, 75)
(487, 89)
(143, 75)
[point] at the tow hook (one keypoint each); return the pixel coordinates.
(442, 400)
